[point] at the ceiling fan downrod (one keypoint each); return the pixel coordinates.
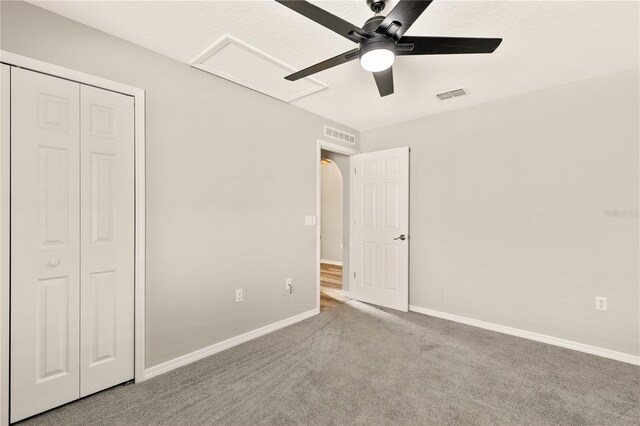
(376, 6)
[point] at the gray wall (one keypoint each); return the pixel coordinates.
(331, 212)
(511, 205)
(342, 161)
(219, 215)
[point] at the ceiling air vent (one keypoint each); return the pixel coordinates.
(339, 135)
(451, 94)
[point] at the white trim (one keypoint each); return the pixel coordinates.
(346, 293)
(319, 217)
(68, 74)
(5, 259)
(183, 360)
(140, 277)
(338, 149)
(225, 40)
(331, 262)
(139, 112)
(352, 210)
(550, 340)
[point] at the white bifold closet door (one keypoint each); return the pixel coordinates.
(106, 239)
(72, 241)
(45, 242)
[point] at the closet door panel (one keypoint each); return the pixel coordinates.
(107, 234)
(45, 240)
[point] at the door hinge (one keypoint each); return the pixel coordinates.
(355, 171)
(354, 275)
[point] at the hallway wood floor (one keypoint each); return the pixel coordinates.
(330, 286)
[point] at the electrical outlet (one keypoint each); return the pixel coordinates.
(239, 295)
(601, 303)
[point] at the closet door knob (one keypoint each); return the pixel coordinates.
(54, 262)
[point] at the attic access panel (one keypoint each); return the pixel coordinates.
(243, 64)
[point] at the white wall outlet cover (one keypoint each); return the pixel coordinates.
(239, 296)
(601, 303)
(310, 220)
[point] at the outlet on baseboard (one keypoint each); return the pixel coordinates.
(601, 303)
(239, 295)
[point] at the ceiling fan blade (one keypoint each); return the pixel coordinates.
(324, 65)
(384, 81)
(326, 19)
(402, 17)
(446, 45)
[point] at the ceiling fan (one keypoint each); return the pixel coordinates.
(382, 38)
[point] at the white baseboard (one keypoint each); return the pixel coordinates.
(331, 262)
(167, 366)
(569, 344)
(346, 293)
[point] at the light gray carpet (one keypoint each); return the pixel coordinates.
(358, 364)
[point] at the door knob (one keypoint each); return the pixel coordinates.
(401, 237)
(54, 262)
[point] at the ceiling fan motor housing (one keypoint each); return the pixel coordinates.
(378, 41)
(372, 24)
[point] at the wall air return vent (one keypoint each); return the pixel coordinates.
(243, 64)
(339, 135)
(451, 94)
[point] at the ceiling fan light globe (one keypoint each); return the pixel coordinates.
(377, 60)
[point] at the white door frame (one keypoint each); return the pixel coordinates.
(338, 149)
(13, 59)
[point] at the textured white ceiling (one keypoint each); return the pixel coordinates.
(546, 43)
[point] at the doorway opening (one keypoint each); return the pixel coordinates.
(332, 201)
(334, 230)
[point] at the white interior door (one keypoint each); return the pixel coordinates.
(107, 239)
(45, 242)
(381, 228)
